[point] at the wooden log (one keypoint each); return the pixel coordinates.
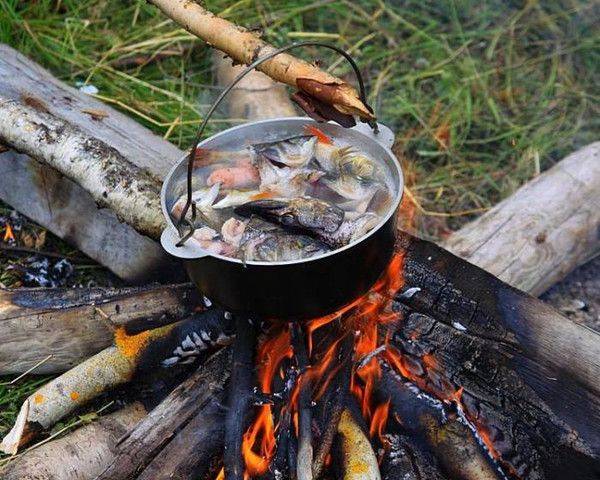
(73, 324)
(156, 430)
(245, 47)
(132, 193)
(544, 230)
(196, 450)
(81, 455)
(256, 96)
(61, 205)
(529, 377)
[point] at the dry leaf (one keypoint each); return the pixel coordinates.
(95, 113)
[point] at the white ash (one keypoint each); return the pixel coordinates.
(459, 326)
(409, 293)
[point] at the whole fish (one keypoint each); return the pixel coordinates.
(266, 242)
(314, 217)
(301, 213)
(285, 181)
(357, 192)
(293, 152)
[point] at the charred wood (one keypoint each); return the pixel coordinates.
(526, 436)
(239, 398)
(426, 421)
(73, 324)
(137, 449)
(305, 449)
(195, 452)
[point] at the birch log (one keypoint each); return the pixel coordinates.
(130, 192)
(61, 205)
(245, 47)
(539, 234)
(81, 455)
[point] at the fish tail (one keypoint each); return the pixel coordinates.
(321, 136)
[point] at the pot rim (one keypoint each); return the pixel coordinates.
(203, 253)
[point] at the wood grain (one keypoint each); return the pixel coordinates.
(544, 230)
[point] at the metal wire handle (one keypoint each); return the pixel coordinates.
(190, 223)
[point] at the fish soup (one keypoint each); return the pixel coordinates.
(287, 198)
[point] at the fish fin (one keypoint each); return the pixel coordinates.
(321, 136)
(262, 195)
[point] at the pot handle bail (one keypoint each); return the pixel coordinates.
(185, 227)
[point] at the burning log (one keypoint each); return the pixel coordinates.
(427, 422)
(305, 449)
(169, 345)
(245, 47)
(476, 303)
(544, 230)
(358, 461)
(137, 449)
(527, 437)
(81, 455)
(132, 193)
(239, 397)
(70, 325)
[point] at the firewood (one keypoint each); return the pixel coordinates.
(544, 230)
(81, 455)
(196, 450)
(245, 47)
(256, 96)
(408, 460)
(42, 409)
(451, 441)
(130, 192)
(358, 461)
(137, 449)
(522, 387)
(305, 449)
(239, 397)
(165, 346)
(61, 205)
(461, 294)
(71, 324)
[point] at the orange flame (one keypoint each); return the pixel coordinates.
(362, 316)
(9, 235)
(261, 434)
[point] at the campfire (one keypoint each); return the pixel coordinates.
(439, 371)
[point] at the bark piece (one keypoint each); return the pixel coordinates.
(544, 230)
(73, 324)
(137, 449)
(245, 47)
(81, 455)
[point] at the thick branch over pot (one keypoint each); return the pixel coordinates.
(245, 47)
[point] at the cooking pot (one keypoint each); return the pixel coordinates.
(287, 290)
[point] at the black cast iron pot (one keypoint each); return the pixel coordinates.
(293, 290)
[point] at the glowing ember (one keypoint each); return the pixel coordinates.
(9, 235)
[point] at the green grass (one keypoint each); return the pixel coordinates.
(482, 95)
